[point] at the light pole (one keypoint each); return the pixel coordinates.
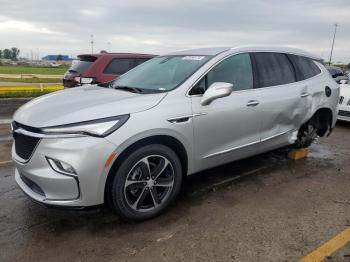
(335, 32)
(109, 47)
(92, 43)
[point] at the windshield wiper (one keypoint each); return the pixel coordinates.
(130, 89)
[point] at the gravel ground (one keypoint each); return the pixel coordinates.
(265, 208)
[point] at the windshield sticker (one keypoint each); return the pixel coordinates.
(195, 58)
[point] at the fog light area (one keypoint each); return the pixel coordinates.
(61, 167)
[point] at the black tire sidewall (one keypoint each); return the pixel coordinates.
(119, 201)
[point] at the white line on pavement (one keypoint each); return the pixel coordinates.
(5, 121)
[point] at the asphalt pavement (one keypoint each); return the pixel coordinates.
(265, 208)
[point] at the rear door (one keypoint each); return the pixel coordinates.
(284, 101)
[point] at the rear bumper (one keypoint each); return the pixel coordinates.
(343, 118)
(344, 114)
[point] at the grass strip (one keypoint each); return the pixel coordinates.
(23, 94)
(32, 80)
(32, 70)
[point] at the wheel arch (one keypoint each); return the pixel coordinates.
(323, 118)
(166, 140)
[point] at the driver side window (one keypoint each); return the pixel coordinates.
(236, 70)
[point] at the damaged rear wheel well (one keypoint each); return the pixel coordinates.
(322, 120)
(319, 124)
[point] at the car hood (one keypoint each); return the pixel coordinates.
(82, 104)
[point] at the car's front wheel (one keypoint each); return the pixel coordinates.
(147, 181)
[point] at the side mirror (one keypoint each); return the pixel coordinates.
(216, 90)
(343, 82)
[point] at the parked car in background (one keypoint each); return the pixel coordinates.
(344, 101)
(337, 74)
(131, 144)
(101, 68)
(347, 73)
(55, 64)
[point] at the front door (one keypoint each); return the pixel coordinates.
(228, 128)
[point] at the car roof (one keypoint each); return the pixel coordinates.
(118, 55)
(201, 51)
(213, 51)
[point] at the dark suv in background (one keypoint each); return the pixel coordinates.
(337, 73)
(101, 68)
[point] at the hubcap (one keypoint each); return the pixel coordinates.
(149, 183)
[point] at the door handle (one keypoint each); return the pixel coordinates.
(253, 103)
(304, 94)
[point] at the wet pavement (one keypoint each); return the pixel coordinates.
(265, 208)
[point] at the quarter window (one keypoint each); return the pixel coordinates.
(274, 69)
(305, 67)
(119, 66)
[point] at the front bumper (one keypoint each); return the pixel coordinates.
(344, 113)
(43, 184)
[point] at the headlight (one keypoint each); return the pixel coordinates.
(100, 127)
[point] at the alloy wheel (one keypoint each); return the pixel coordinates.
(149, 183)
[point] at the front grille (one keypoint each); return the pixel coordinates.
(25, 145)
(344, 113)
(341, 100)
(32, 185)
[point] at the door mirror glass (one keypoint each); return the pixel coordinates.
(216, 90)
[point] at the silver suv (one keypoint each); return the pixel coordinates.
(131, 144)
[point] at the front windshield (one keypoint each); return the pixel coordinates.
(162, 73)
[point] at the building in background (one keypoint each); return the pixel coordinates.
(54, 58)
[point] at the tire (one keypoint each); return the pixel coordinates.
(146, 183)
(307, 134)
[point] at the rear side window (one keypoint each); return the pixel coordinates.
(80, 66)
(119, 66)
(304, 67)
(139, 61)
(273, 69)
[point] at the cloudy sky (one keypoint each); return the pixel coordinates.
(158, 26)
